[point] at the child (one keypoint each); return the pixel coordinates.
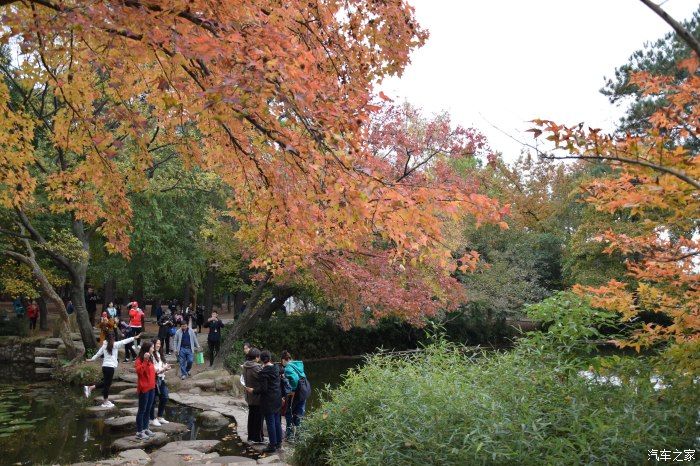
(110, 351)
(270, 400)
(146, 389)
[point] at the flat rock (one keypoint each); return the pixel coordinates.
(129, 411)
(269, 459)
(171, 428)
(99, 411)
(122, 422)
(52, 342)
(230, 460)
(211, 374)
(131, 442)
(128, 377)
(119, 386)
(129, 393)
(126, 402)
(224, 383)
(186, 454)
(206, 384)
(204, 446)
(212, 419)
(195, 390)
(137, 455)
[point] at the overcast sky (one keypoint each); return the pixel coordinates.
(504, 62)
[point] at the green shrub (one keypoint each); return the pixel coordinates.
(83, 373)
(526, 406)
(14, 326)
(236, 357)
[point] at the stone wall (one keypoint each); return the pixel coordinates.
(17, 349)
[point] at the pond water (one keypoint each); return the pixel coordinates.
(42, 422)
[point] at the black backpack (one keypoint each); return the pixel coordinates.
(303, 387)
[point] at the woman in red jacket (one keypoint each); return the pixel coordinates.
(146, 388)
(33, 314)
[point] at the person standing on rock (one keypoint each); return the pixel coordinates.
(185, 343)
(33, 314)
(165, 323)
(199, 317)
(136, 320)
(296, 401)
(161, 388)
(270, 393)
(146, 389)
(250, 372)
(214, 324)
(110, 351)
(129, 352)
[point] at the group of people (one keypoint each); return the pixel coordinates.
(150, 363)
(273, 391)
(32, 310)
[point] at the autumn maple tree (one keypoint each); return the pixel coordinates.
(276, 98)
(657, 182)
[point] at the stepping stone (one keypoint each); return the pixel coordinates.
(99, 411)
(136, 455)
(128, 377)
(119, 386)
(129, 411)
(43, 370)
(118, 396)
(212, 419)
(211, 374)
(171, 428)
(129, 393)
(269, 459)
(186, 454)
(45, 351)
(231, 460)
(126, 402)
(132, 443)
(205, 446)
(44, 360)
(122, 422)
(205, 384)
(52, 342)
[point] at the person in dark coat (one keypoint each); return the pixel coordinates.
(269, 389)
(165, 323)
(214, 324)
(250, 372)
(199, 317)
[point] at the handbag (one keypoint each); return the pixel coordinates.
(199, 357)
(303, 387)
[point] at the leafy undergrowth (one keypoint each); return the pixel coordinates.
(527, 406)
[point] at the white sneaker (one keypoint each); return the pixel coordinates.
(106, 404)
(111, 405)
(141, 436)
(86, 391)
(163, 421)
(156, 423)
(149, 433)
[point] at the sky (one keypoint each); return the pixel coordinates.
(500, 63)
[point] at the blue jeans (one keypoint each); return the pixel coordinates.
(162, 397)
(274, 428)
(145, 408)
(294, 413)
(186, 358)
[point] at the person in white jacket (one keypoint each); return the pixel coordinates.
(110, 351)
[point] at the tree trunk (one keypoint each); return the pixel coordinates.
(110, 290)
(238, 300)
(186, 295)
(138, 289)
(77, 294)
(209, 291)
(43, 314)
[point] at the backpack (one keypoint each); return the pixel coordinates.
(303, 387)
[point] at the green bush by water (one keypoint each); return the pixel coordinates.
(14, 326)
(528, 406)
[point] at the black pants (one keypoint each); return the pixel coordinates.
(255, 424)
(106, 382)
(129, 351)
(166, 342)
(214, 348)
(32, 323)
(133, 331)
